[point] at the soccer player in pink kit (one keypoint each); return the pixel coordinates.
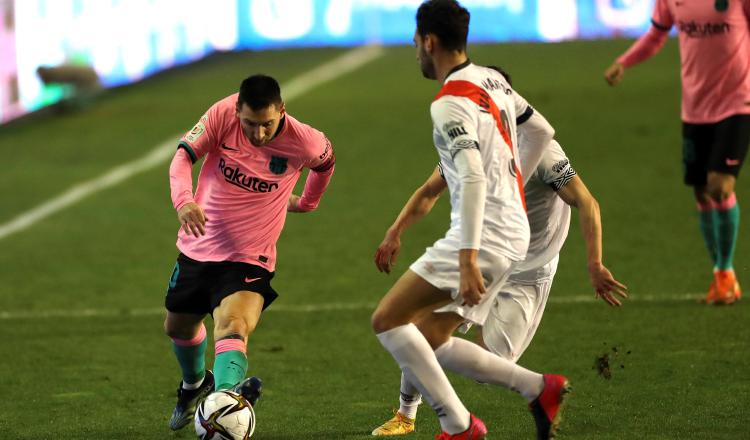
(714, 40)
(254, 153)
(475, 116)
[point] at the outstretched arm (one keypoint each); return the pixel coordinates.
(419, 204)
(575, 194)
(644, 48)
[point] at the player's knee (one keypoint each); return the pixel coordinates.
(720, 187)
(233, 325)
(382, 321)
(178, 332)
(719, 193)
(702, 196)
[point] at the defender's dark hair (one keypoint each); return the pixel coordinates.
(447, 19)
(260, 91)
(502, 72)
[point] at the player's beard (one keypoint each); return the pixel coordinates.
(427, 65)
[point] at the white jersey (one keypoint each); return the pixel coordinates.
(549, 215)
(477, 108)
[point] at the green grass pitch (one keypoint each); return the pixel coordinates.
(680, 368)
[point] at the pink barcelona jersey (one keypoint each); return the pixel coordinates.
(243, 188)
(714, 40)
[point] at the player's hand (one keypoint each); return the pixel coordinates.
(606, 286)
(472, 283)
(614, 73)
(193, 219)
(293, 205)
(385, 256)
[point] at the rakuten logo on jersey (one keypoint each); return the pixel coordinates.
(694, 29)
(240, 179)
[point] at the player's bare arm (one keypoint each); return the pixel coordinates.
(575, 194)
(193, 219)
(419, 205)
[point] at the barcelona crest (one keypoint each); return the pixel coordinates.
(278, 164)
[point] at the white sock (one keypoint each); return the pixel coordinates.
(409, 400)
(192, 386)
(420, 367)
(469, 359)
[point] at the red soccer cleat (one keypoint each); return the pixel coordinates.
(547, 408)
(727, 288)
(476, 431)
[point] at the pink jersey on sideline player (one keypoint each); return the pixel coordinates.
(715, 55)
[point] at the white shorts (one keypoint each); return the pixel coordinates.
(439, 267)
(515, 315)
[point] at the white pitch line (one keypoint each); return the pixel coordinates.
(342, 65)
(307, 308)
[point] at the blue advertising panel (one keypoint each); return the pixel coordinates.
(126, 40)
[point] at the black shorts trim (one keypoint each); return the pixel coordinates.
(198, 287)
(720, 147)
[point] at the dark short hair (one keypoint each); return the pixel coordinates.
(259, 92)
(502, 72)
(446, 19)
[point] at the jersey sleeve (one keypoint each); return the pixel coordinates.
(204, 136)
(440, 169)
(456, 121)
(322, 157)
(662, 17)
(524, 111)
(321, 162)
(555, 169)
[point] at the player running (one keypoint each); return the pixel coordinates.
(550, 192)
(474, 116)
(715, 56)
(254, 153)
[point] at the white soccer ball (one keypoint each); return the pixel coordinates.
(224, 415)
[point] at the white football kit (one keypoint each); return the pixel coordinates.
(518, 308)
(475, 119)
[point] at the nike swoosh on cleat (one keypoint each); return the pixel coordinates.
(250, 280)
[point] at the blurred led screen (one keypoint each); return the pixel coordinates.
(126, 40)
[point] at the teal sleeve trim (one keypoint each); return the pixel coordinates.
(186, 147)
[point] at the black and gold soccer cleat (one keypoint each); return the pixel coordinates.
(187, 401)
